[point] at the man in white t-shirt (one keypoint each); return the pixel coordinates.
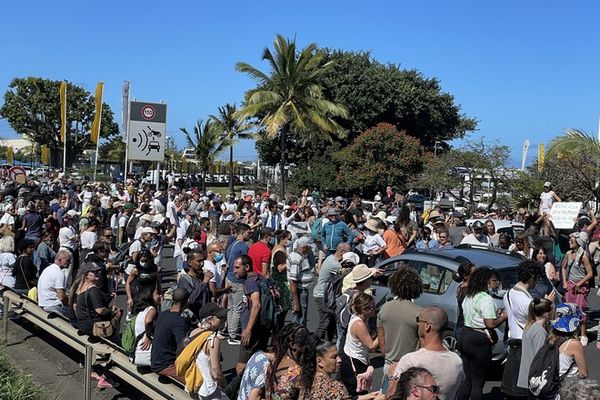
(477, 237)
(212, 263)
(445, 366)
(181, 236)
(52, 296)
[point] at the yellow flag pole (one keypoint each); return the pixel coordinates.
(97, 123)
(63, 122)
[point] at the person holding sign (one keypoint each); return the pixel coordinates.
(547, 198)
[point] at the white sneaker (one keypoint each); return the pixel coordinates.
(583, 340)
(593, 328)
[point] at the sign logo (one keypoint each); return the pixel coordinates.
(148, 112)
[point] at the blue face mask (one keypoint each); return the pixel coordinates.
(218, 257)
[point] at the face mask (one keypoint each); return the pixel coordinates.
(218, 257)
(144, 264)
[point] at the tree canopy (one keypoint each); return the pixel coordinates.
(32, 108)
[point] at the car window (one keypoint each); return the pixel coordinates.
(388, 270)
(436, 279)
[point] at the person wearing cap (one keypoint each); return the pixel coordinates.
(144, 222)
(547, 199)
(374, 245)
(576, 273)
(477, 238)
(260, 252)
(333, 232)
(171, 327)
(330, 266)
(7, 222)
(361, 280)
(458, 228)
(207, 352)
(92, 304)
(301, 274)
(571, 355)
(139, 244)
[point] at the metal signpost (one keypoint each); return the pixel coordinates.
(146, 134)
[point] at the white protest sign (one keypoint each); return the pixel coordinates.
(564, 214)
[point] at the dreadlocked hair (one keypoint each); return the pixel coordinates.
(294, 334)
(406, 284)
(479, 280)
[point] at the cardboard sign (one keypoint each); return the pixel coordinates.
(564, 214)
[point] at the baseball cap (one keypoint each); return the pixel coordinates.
(547, 184)
(351, 257)
(303, 241)
(212, 309)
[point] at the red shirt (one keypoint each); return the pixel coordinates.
(259, 253)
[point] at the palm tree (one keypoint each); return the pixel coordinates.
(207, 143)
(574, 142)
(290, 99)
(234, 129)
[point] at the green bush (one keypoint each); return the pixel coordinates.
(16, 385)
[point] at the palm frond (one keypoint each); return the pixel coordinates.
(575, 142)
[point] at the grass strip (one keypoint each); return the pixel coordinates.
(15, 384)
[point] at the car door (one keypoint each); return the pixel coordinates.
(438, 286)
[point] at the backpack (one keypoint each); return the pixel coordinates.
(131, 225)
(270, 303)
(543, 379)
(343, 313)
(168, 294)
(122, 258)
(128, 337)
(333, 288)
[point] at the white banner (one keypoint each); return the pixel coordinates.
(564, 214)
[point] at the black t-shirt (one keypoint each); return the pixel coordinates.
(25, 273)
(87, 302)
(170, 329)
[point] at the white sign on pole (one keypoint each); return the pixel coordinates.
(564, 214)
(147, 131)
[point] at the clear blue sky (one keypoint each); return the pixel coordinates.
(524, 69)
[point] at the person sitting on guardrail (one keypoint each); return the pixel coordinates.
(171, 327)
(24, 270)
(52, 285)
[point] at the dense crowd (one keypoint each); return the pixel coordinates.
(248, 266)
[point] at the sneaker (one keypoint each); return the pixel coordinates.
(584, 341)
(104, 384)
(594, 328)
(233, 342)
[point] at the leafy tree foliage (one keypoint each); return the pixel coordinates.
(289, 100)
(113, 149)
(379, 157)
(234, 129)
(32, 108)
(374, 93)
(207, 142)
(469, 168)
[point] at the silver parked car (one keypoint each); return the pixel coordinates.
(437, 268)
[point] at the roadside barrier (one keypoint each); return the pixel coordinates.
(117, 361)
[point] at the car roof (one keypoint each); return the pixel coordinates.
(498, 223)
(498, 259)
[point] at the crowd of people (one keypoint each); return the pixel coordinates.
(248, 266)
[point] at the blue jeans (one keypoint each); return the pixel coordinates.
(303, 295)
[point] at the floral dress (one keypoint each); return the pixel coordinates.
(281, 279)
(288, 386)
(325, 388)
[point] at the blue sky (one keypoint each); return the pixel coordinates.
(524, 69)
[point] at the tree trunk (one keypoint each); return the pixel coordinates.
(282, 164)
(231, 169)
(203, 180)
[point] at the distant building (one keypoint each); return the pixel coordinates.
(18, 145)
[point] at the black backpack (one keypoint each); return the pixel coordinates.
(544, 379)
(131, 225)
(270, 303)
(333, 288)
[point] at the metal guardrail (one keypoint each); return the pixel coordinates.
(118, 364)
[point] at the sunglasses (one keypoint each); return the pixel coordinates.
(435, 389)
(422, 320)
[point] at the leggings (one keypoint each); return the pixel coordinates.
(476, 354)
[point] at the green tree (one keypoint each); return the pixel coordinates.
(472, 170)
(32, 108)
(374, 93)
(290, 100)
(113, 149)
(234, 129)
(207, 143)
(379, 157)
(573, 165)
